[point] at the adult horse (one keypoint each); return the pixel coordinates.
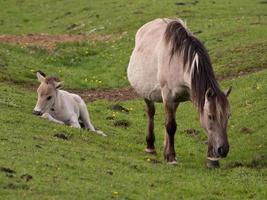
(170, 65)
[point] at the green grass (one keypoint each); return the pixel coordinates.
(87, 166)
(92, 167)
(234, 32)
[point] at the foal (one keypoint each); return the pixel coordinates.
(61, 106)
(170, 65)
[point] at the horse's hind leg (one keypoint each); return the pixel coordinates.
(150, 137)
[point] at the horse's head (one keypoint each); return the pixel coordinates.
(47, 92)
(214, 119)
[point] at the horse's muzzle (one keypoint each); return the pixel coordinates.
(36, 112)
(223, 151)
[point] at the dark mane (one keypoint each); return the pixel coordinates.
(185, 44)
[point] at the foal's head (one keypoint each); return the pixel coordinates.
(214, 118)
(47, 92)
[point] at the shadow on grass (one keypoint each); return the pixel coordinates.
(258, 162)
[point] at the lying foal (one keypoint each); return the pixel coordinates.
(61, 106)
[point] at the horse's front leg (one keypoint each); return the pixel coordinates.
(50, 118)
(170, 124)
(150, 137)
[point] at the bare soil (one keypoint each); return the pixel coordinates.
(118, 94)
(49, 42)
(128, 93)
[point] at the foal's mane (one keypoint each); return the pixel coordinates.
(195, 55)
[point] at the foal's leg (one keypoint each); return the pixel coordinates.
(50, 118)
(150, 137)
(74, 122)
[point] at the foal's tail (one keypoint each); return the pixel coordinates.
(183, 42)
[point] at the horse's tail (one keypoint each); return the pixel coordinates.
(183, 42)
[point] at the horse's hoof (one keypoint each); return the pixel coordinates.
(174, 162)
(212, 164)
(152, 151)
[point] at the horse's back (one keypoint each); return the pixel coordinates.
(143, 66)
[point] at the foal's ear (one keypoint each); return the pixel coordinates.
(58, 85)
(227, 92)
(40, 76)
(209, 93)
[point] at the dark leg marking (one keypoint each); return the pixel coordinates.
(170, 124)
(150, 137)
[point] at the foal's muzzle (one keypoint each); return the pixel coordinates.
(36, 112)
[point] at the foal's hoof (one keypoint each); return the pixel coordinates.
(152, 151)
(212, 164)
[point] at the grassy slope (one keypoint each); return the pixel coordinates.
(93, 167)
(80, 168)
(234, 32)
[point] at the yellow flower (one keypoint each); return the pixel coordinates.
(148, 160)
(115, 193)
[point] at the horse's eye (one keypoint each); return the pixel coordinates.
(48, 98)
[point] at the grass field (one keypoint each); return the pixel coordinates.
(36, 163)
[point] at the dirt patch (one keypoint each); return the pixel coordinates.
(119, 108)
(7, 170)
(110, 172)
(122, 123)
(239, 74)
(128, 93)
(257, 162)
(62, 136)
(13, 186)
(245, 130)
(192, 132)
(186, 3)
(26, 177)
(119, 94)
(49, 42)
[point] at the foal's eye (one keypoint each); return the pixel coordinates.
(48, 98)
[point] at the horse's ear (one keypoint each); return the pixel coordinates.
(209, 93)
(40, 76)
(58, 85)
(227, 92)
